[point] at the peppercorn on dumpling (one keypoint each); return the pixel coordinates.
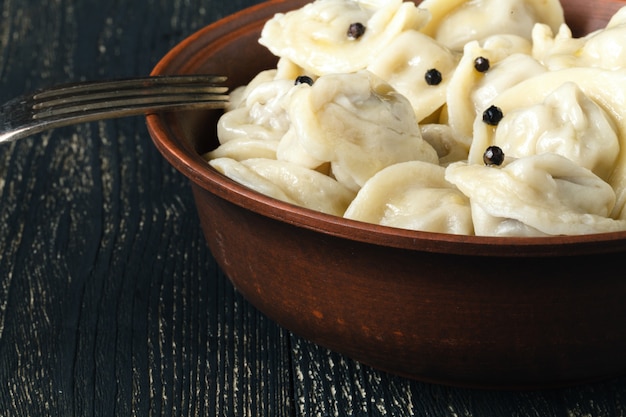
(335, 36)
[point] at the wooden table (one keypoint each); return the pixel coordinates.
(110, 302)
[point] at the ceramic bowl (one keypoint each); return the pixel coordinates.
(460, 310)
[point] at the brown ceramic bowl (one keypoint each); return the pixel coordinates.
(471, 311)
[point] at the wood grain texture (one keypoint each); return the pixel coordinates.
(110, 302)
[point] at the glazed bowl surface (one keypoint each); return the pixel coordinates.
(460, 310)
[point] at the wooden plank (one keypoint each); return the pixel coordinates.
(110, 301)
(329, 384)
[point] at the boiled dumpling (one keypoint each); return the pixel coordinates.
(258, 112)
(556, 51)
(607, 89)
(245, 176)
(567, 123)
(547, 194)
(449, 146)
(604, 48)
(258, 125)
(288, 182)
(457, 22)
(607, 48)
(404, 64)
(359, 124)
(315, 37)
(413, 195)
(470, 91)
(256, 120)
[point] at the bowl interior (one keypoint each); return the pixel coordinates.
(231, 47)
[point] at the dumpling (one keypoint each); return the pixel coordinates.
(449, 146)
(244, 148)
(359, 124)
(607, 89)
(470, 91)
(288, 182)
(413, 195)
(315, 37)
(287, 70)
(404, 64)
(245, 176)
(556, 51)
(258, 125)
(237, 97)
(607, 48)
(604, 48)
(457, 22)
(259, 113)
(567, 123)
(541, 194)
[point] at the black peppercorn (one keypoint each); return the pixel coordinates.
(492, 116)
(433, 77)
(356, 30)
(481, 64)
(493, 156)
(304, 79)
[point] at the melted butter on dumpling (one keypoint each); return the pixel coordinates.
(315, 38)
(404, 63)
(413, 195)
(457, 22)
(470, 91)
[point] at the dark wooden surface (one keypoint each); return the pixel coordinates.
(110, 302)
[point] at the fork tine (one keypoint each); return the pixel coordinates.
(127, 83)
(147, 102)
(118, 94)
(122, 109)
(90, 101)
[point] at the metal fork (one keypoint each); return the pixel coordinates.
(97, 100)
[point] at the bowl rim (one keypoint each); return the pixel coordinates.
(184, 56)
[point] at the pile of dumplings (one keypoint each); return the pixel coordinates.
(381, 111)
